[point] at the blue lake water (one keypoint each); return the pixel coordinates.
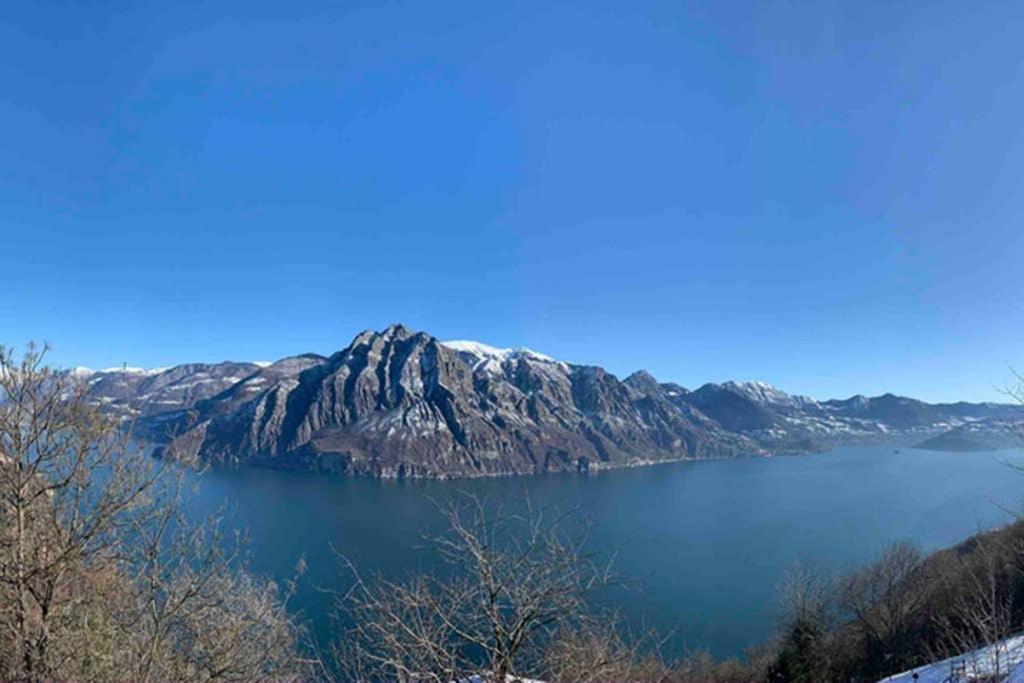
(708, 541)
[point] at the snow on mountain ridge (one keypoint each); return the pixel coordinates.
(486, 350)
(130, 370)
(763, 392)
(491, 358)
(82, 371)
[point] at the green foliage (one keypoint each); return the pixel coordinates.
(804, 655)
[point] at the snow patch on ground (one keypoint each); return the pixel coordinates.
(1005, 658)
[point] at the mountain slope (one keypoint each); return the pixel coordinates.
(149, 392)
(978, 435)
(781, 422)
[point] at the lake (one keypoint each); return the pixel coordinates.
(708, 540)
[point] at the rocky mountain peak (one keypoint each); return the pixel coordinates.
(766, 394)
(395, 331)
(644, 383)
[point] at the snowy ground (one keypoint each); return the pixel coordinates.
(1005, 659)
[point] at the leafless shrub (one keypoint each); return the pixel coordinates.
(980, 591)
(807, 595)
(101, 575)
(512, 581)
(886, 600)
(601, 648)
(804, 645)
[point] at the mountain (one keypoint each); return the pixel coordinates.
(782, 423)
(137, 391)
(734, 410)
(399, 403)
(767, 395)
(980, 435)
(898, 411)
(761, 412)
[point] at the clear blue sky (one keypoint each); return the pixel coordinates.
(827, 196)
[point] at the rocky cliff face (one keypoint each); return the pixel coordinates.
(400, 403)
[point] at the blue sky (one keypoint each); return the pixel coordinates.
(826, 196)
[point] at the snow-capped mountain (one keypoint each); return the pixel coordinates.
(979, 435)
(81, 371)
(134, 391)
(766, 394)
(402, 403)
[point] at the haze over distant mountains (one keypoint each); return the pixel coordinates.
(399, 403)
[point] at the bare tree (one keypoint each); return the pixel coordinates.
(512, 580)
(1015, 390)
(978, 610)
(101, 575)
(58, 518)
(806, 593)
(886, 600)
(804, 642)
(599, 647)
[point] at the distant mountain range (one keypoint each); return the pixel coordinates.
(399, 403)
